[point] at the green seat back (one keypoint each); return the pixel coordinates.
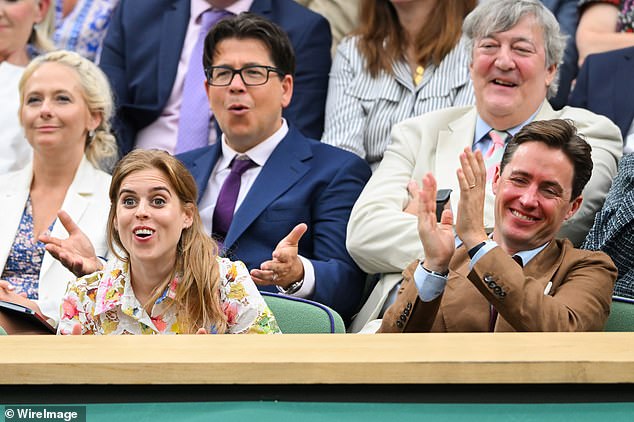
(302, 316)
(2, 332)
(621, 315)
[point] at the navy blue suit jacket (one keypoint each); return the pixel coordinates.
(566, 13)
(603, 86)
(143, 46)
(303, 181)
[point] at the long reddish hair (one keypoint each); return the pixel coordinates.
(382, 40)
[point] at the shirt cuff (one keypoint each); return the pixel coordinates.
(429, 285)
(307, 284)
(488, 245)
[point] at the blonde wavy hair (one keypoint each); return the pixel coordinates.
(198, 292)
(101, 146)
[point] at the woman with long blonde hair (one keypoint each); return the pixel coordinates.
(166, 276)
(65, 111)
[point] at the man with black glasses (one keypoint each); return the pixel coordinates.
(271, 197)
(264, 178)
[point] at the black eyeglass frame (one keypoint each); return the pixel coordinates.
(234, 72)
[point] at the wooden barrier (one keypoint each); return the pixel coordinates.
(501, 358)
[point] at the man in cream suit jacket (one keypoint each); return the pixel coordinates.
(514, 69)
(520, 278)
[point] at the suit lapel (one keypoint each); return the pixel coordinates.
(282, 170)
(451, 144)
(173, 31)
(545, 112)
(202, 167)
(475, 317)
(14, 197)
(545, 264)
(75, 204)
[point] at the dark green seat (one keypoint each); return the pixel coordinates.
(301, 316)
(621, 315)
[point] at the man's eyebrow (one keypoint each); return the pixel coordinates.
(554, 184)
(248, 64)
(521, 173)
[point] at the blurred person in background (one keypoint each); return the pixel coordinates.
(20, 40)
(404, 59)
(65, 110)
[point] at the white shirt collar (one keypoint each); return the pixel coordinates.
(259, 153)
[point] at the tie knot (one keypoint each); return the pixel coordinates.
(240, 164)
(210, 17)
(498, 137)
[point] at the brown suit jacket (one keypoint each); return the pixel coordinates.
(579, 299)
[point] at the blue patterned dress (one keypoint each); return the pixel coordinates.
(23, 265)
(84, 29)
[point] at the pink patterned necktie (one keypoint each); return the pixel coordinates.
(195, 115)
(493, 156)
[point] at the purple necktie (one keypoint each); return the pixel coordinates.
(228, 196)
(195, 115)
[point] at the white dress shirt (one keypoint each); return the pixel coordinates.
(259, 154)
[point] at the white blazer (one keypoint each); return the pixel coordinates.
(86, 202)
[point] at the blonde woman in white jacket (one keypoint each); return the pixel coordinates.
(65, 110)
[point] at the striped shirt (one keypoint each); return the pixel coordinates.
(361, 110)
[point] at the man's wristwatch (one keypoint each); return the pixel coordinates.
(293, 288)
(436, 273)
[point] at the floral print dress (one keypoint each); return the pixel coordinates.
(104, 303)
(24, 262)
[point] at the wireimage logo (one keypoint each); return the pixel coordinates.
(45, 413)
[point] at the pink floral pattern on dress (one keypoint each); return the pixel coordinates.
(104, 303)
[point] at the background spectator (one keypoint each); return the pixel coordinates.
(147, 54)
(613, 229)
(65, 107)
(600, 88)
(20, 40)
(566, 13)
(343, 16)
(404, 59)
(604, 25)
(80, 25)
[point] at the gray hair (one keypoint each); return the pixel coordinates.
(493, 16)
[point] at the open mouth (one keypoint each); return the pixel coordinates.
(143, 233)
(238, 107)
(523, 216)
(504, 83)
